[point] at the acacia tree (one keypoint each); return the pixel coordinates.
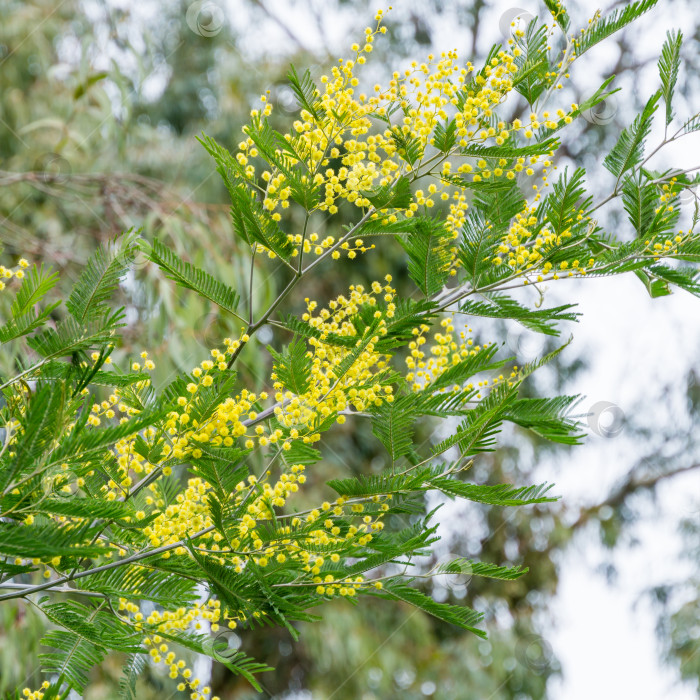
(171, 514)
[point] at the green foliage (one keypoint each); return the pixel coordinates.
(561, 16)
(480, 568)
(669, 63)
(567, 198)
(629, 149)
(395, 196)
(292, 367)
(428, 255)
(188, 276)
(25, 318)
(99, 279)
(640, 201)
(458, 615)
(530, 81)
(604, 27)
(540, 320)
(304, 89)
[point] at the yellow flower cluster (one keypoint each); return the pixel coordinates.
(168, 621)
(328, 393)
(351, 143)
(312, 244)
(7, 273)
(35, 694)
(528, 243)
(444, 353)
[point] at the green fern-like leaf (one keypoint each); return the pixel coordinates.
(293, 367)
(497, 495)
(549, 418)
(254, 224)
(540, 148)
(396, 195)
(640, 201)
(532, 63)
(71, 336)
(36, 284)
(393, 425)
(459, 615)
(478, 247)
(683, 277)
(604, 27)
(470, 567)
(47, 541)
(42, 424)
(692, 124)
(629, 149)
(133, 668)
(559, 13)
(669, 63)
(305, 91)
(72, 659)
(445, 136)
(139, 583)
(100, 278)
(568, 197)
(190, 277)
(540, 320)
(429, 255)
(56, 370)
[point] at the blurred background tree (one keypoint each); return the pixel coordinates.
(100, 106)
